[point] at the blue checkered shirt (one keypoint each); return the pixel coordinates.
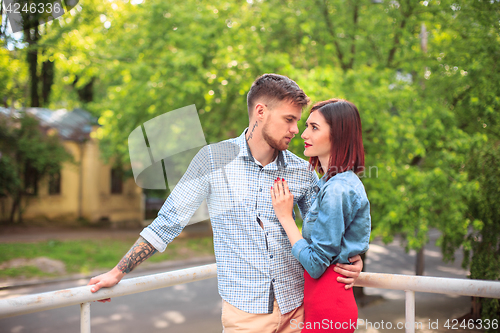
(254, 264)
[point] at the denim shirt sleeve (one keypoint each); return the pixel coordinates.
(337, 209)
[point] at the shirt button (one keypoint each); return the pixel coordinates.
(260, 189)
(267, 233)
(271, 256)
(273, 280)
(258, 214)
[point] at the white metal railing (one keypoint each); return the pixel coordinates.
(83, 296)
(410, 284)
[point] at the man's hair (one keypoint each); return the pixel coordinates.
(346, 151)
(274, 88)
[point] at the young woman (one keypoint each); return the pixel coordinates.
(338, 224)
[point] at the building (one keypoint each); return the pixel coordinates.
(89, 189)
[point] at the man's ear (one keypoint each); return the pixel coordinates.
(259, 111)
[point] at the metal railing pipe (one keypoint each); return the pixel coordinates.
(427, 284)
(85, 318)
(409, 311)
(61, 298)
(66, 297)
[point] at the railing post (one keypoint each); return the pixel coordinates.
(85, 317)
(410, 311)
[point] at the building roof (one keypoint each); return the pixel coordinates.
(73, 125)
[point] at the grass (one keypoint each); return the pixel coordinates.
(26, 271)
(85, 256)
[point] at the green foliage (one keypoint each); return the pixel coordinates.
(9, 179)
(24, 145)
(411, 153)
(482, 238)
(13, 77)
(462, 60)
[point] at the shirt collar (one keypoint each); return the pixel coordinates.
(280, 162)
(322, 180)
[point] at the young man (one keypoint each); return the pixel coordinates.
(260, 281)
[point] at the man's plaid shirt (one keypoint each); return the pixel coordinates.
(254, 264)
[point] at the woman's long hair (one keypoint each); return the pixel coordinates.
(346, 152)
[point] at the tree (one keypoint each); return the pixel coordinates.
(482, 241)
(464, 74)
(40, 64)
(27, 155)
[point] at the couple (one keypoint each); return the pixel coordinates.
(260, 252)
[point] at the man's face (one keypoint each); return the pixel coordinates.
(280, 124)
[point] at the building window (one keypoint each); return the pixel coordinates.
(116, 181)
(30, 180)
(55, 183)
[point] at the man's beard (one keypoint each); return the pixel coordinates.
(272, 142)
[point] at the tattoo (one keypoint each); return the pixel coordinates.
(253, 129)
(139, 252)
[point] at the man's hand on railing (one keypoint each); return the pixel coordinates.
(351, 272)
(106, 280)
(139, 252)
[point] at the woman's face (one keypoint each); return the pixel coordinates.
(317, 136)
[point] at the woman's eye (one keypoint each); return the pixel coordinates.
(314, 127)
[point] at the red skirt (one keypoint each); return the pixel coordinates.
(328, 307)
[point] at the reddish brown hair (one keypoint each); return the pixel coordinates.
(346, 152)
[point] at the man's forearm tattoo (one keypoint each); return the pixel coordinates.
(139, 252)
(251, 132)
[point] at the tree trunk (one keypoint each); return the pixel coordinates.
(32, 36)
(85, 93)
(47, 80)
(476, 308)
(419, 264)
(16, 205)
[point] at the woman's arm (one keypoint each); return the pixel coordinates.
(327, 231)
(326, 236)
(325, 239)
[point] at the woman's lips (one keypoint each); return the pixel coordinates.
(307, 145)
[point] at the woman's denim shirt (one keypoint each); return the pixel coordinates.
(337, 226)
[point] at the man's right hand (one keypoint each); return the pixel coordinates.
(139, 252)
(106, 280)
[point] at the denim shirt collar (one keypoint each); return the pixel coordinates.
(323, 179)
